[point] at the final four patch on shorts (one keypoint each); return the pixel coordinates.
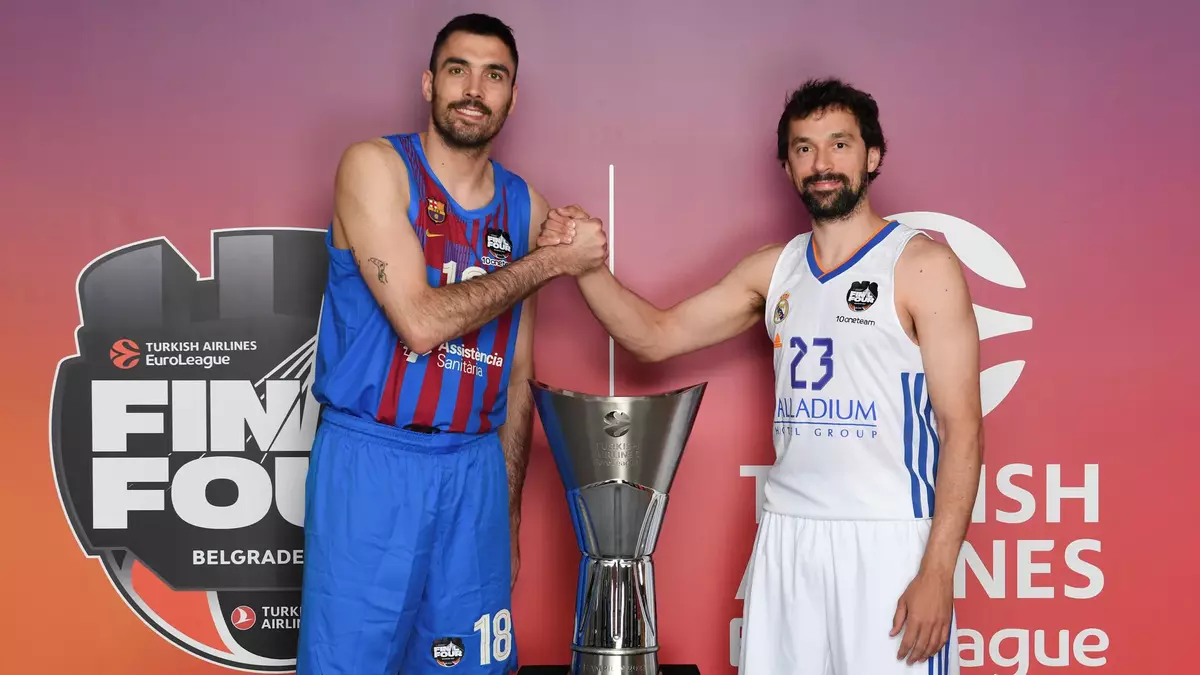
(447, 651)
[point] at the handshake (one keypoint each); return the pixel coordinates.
(573, 240)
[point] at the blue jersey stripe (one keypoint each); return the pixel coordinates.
(922, 446)
(908, 445)
(451, 381)
(410, 390)
(930, 425)
(922, 443)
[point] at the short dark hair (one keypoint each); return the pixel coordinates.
(475, 24)
(832, 94)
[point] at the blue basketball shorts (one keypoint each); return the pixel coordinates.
(407, 564)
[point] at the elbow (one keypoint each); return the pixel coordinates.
(648, 356)
(420, 343)
(414, 334)
(649, 353)
(652, 347)
(968, 437)
(417, 340)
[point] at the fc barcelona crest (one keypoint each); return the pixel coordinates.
(435, 209)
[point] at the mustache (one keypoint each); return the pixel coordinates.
(824, 177)
(471, 105)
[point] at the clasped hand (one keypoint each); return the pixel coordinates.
(582, 238)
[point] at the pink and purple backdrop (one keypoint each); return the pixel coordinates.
(1065, 130)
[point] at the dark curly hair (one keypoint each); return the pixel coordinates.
(832, 94)
(476, 24)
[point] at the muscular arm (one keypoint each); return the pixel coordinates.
(710, 317)
(370, 218)
(939, 302)
(514, 435)
(515, 432)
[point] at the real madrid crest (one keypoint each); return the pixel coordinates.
(781, 309)
(435, 209)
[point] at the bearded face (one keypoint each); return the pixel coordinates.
(829, 164)
(466, 122)
(472, 92)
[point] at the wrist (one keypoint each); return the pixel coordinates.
(549, 262)
(594, 275)
(938, 567)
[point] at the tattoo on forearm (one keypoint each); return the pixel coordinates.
(380, 266)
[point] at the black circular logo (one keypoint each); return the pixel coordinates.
(447, 651)
(862, 295)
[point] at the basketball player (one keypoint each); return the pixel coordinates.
(424, 352)
(876, 412)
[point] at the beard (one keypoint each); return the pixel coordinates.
(463, 134)
(836, 204)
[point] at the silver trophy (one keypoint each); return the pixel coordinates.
(617, 457)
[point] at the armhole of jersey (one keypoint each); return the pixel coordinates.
(900, 248)
(518, 196)
(414, 193)
(782, 263)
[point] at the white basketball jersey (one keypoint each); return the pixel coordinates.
(855, 435)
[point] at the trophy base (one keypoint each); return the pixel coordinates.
(664, 669)
(590, 663)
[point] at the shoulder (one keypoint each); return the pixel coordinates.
(926, 258)
(757, 267)
(369, 165)
(929, 273)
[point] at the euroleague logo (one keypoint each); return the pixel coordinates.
(180, 431)
(125, 354)
(984, 256)
(616, 423)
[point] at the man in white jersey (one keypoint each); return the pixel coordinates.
(877, 417)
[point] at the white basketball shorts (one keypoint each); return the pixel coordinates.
(822, 595)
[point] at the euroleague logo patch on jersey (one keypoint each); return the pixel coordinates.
(781, 309)
(447, 651)
(436, 210)
(183, 475)
(862, 295)
(499, 247)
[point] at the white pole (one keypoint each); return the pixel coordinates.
(611, 269)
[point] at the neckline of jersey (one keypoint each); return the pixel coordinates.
(469, 213)
(823, 276)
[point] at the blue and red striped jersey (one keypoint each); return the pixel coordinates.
(461, 386)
